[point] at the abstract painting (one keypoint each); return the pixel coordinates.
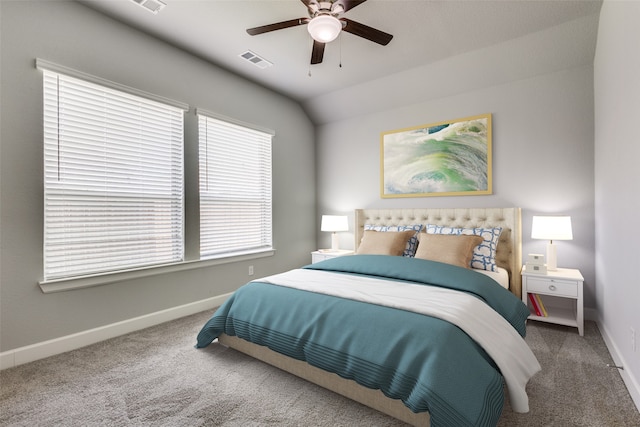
(449, 158)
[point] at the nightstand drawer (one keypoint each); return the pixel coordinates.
(566, 288)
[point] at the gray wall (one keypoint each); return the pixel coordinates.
(542, 158)
(72, 35)
(543, 162)
(617, 187)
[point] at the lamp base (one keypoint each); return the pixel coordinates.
(552, 257)
(334, 241)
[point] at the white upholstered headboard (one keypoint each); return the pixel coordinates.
(509, 251)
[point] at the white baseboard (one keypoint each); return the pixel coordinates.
(30, 353)
(632, 383)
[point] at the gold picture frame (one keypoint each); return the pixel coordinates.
(449, 158)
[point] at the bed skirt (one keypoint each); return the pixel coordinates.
(372, 398)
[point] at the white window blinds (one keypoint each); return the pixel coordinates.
(113, 172)
(235, 188)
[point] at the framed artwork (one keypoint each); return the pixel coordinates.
(451, 158)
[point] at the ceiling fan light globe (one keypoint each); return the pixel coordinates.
(324, 28)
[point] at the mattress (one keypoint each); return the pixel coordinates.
(501, 276)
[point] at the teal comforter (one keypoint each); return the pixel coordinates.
(428, 363)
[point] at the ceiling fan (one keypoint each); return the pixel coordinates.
(325, 24)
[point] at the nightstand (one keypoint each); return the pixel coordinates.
(322, 254)
(561, 294)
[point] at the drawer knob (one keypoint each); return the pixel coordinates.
(552, 287)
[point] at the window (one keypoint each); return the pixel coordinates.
(235, 187)
(113, 172)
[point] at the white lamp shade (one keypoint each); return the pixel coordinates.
(334, 223)
(324, 28)
(551, 228)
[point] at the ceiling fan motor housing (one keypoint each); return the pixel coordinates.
(325, 8)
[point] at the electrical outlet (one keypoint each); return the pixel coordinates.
(251, 270)
(633, 339)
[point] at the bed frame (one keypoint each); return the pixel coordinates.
(508, 256)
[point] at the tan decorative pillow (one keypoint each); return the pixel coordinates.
(447, 248)
(384, 242)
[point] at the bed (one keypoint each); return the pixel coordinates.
(433, 344)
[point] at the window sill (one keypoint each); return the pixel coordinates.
(61, 285)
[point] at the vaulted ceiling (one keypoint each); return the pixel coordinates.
(431, 39)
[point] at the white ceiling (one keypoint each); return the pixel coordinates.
(426, 32)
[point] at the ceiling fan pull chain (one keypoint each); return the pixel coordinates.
(311, 40)
(340, 41)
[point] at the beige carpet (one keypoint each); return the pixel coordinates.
(156, 378)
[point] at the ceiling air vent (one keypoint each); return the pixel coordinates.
(153, 6)
(256, 60)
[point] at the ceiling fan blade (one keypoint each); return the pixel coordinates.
(366, 32)
(277, 26)
(317, 52)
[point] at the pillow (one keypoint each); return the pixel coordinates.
(484, 255)
(412, 244)
(384, 242)
(450, 249)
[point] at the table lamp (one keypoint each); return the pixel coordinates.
(551, 228)
(333, 224)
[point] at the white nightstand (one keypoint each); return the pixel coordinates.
(561, 294)
(322, 254)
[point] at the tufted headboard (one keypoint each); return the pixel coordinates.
(509, 251)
